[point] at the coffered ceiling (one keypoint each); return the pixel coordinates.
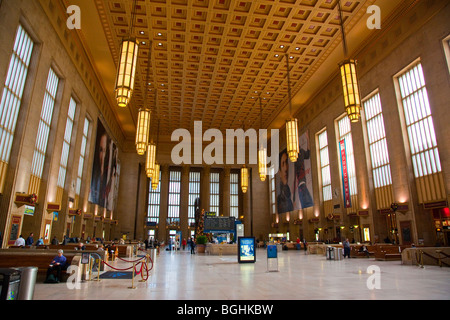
(210, 60)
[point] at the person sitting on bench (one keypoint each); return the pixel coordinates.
(58, 263)
(363, 249)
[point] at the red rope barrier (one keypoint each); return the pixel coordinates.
(116, 268)
(143, 265)
(135, 271)
(131, 261)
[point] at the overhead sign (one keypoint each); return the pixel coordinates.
(212, 224)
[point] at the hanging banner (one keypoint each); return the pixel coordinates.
(294, 185)
(105, 171)
(303, 186)
(345, 182)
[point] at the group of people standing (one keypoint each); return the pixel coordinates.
(190, 243)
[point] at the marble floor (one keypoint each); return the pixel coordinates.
(182, 276)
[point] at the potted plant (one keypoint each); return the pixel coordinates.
(201, 243)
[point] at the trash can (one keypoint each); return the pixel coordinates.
(330, 253)
(339, 254)
(152, 254)
(9, 284)
(28, 277)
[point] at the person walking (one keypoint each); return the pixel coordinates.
(192, 245)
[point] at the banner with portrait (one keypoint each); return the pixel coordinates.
(105, 171)
(294, 180)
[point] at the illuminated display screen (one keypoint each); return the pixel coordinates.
(246, 251)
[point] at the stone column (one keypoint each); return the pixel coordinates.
(246, 205)
(226, 192)
(184, 201)
(163, 208)
(205, 188)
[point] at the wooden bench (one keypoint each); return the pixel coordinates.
(124, 250)
(70, 246)
(23, 257)
(293, 245)
(389, 252)
(32, 258)
(355, 253)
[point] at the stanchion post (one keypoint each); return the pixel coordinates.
(100, 261)
(421, 258)
(91, 265)
(132, 279)
(98, 269)
(439, 257)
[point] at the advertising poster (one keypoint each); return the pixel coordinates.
(105, 171)
(14, 229)
(246, 252)
(294, 180)
(29, 210)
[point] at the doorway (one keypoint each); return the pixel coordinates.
(405, 228)
(172, 239)
(441, 217)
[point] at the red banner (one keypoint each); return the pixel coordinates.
(345, 182)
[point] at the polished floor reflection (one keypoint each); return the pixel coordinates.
(182, 276)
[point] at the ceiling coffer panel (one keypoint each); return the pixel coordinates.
(212, 59)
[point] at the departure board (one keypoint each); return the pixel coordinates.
(219, 224)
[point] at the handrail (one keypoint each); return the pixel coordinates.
(446, 255)
(419, 260)
(438, 259)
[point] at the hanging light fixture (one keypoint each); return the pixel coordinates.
(352, 101)
(150, 159)
(262, 163)
(143, 122)
(142, 131)
(244, 175)
(155, 177)
(126, 72)
(244, 179)
(291, 124)
(262, 152)
(150, 164)
(157, 167)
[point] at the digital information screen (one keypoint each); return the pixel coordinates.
(246, 252)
